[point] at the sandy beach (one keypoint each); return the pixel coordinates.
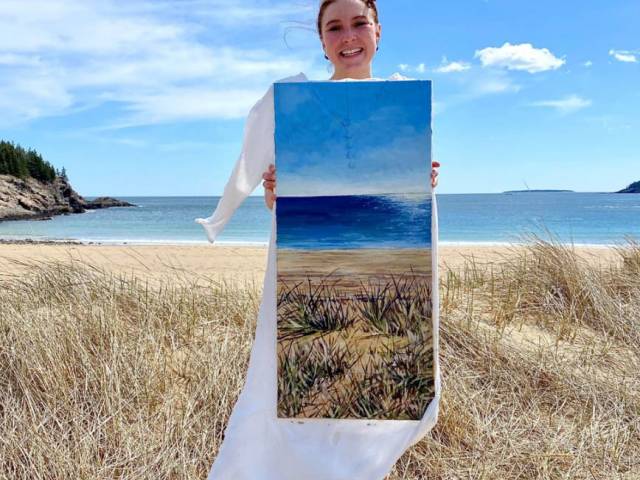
(192, 262)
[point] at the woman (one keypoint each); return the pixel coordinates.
(257, 445)
(350, 35)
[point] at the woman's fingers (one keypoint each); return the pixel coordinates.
(270, 174)
(269, 199)
(434, 174)
(269, 185)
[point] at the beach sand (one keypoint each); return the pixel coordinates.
(350, 268)
(238, 264)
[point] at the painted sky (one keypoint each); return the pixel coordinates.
(352, 138)
(149, 97)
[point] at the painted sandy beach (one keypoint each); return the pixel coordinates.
(354, 333)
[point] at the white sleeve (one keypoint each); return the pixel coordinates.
(256, 155)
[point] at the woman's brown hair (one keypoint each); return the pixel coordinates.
(369, 3)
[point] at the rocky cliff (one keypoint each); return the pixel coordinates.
(29, 199)
(633, 188)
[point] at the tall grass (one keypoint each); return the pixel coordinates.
(106, 377)
(397, 387)
(540, 357)
(307, 309)
(305, 371)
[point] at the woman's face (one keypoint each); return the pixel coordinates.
(350, 37)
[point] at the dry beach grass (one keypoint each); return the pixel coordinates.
(107, 376)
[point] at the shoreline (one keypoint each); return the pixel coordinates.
(258, 244)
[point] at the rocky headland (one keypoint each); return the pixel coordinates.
(31, 199)
(633, 188)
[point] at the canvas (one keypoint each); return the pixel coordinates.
(353, 223)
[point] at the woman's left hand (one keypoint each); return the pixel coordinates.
(434, 174)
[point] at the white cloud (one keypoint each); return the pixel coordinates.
(474, 84)
(13, 60)
(405, 67)
(445, 67)
(568, 104)
(152, 60)
(188, 104)
(451, 67)
(233, 12)
(523, 57)
(588, 63)
(492, 85)
(625, 56)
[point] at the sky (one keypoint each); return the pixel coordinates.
(148, 97)
(328, 138)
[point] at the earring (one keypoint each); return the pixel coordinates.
(325, 57)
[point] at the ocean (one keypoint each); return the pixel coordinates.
(580, 218)
(358, 221)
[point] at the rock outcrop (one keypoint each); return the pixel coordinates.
(30, 199)
(106, 202)
(633, 188)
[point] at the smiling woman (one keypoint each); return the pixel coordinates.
(350, 33)
(257, 443)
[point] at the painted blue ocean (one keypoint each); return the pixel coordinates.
(581, 218)
(354, 221)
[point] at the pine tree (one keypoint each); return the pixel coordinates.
(18, 162)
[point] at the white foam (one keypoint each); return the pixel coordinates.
(147, 241)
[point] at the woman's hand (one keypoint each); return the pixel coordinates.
(269, 185)
(434, 174)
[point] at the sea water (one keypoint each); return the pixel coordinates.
(354, 221)
(581, 218)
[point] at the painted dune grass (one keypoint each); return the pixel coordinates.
(354, 334)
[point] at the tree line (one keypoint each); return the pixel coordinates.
(23, 163)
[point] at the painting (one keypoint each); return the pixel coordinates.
(353, 223)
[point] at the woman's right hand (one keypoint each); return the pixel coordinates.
(269, 185)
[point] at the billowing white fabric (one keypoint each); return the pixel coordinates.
(258, 445)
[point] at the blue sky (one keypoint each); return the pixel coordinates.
(352, 138)
(149, 97)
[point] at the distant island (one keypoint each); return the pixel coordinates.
(32, 189)
(633, 188)
(539, 191)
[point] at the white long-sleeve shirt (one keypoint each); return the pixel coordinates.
(258, 445)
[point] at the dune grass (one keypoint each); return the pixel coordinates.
(308, 369)
(107, 377)
(307, 309)
(376, 327)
